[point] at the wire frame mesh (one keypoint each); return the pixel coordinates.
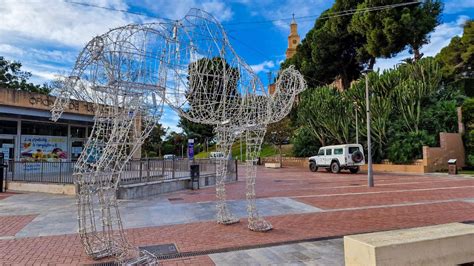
(129, 73)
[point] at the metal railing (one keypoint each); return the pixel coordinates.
(135, 171)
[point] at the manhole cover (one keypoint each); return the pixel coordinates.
(161, 250)
(354, 184)
(277, 180)
(175, 199)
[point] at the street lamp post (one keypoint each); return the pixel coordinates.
(357, 122)
(370, 176)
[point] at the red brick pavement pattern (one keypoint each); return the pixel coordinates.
(203, 236)
(198, 260)
(10, 225)
(5, 195)
(301, 182)
(379, 199)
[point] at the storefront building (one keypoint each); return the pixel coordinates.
(28, 134)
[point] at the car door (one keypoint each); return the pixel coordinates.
(320, 157)
(328, 157)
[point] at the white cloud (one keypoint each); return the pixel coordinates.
(265, 66)
(58, 22)
(439, 38)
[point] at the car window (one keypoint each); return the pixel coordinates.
(337, 151)
(321, 152)
(328, 151)
(353, 149)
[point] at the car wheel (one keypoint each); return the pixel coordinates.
(313, 167)
(335, 167)
(354, 170)
(357, 156)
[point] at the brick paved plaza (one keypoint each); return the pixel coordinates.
(310, 212)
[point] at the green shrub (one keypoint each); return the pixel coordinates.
(469, 144)
(468, 112)
(405, 148)
(440, 117)
(304, 143)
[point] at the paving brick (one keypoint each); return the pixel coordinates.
(424, 196)
(10, 225)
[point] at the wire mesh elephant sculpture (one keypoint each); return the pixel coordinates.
(211, 84)
(129, 73)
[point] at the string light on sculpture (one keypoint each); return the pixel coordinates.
(213, 85)
(129, 73)
(119, 73)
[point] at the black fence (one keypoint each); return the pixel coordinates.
(135, 171)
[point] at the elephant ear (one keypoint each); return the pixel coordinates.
(289, 84)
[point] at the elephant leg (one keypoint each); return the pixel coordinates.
(225, 141)
(254, 139)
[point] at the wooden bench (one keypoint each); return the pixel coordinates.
(446, 244)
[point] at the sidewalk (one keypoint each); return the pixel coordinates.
(303, 208)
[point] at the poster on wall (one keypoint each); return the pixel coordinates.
(43, 148)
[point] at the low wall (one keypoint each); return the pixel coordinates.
(396, 168)
(148, 189)
(287, 161)
(66, 189)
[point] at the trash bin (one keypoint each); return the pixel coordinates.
(452, 167)
(195, 176)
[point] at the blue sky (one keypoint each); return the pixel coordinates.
(47, 35)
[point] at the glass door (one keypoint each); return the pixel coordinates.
(7, 147)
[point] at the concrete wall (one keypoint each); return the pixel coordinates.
(445, 244)
(451, 147)
(66, 189)
(143, 190)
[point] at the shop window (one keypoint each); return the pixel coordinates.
(76, 149)
(78, 132)
(8, 127)
(43, 129)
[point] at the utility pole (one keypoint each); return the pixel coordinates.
(370, 176)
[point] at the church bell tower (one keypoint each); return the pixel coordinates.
(293, 39)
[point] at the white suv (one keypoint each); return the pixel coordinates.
(337, 157)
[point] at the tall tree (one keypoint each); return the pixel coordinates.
(389, 31)
(279, 133)
(201, 133)
(212, 88)
(152, 146)
(12, 77)
(329, 50)
(418, 22)
(457, 59)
